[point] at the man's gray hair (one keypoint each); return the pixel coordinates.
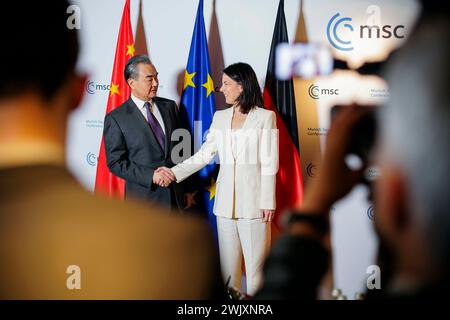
(415, 129)
(131, 67)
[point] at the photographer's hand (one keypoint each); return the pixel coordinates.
(335, 179)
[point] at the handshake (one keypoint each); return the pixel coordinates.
(163, 177)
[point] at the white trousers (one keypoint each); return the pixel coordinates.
(243, 238)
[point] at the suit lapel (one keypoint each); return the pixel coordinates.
(165, 114)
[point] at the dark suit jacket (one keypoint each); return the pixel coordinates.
(133, 153)
(125, 250)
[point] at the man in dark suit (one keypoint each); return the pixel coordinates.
(57, 241)
(137, 137)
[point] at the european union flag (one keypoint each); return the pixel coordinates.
(198, 102)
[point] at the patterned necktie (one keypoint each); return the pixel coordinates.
(156, 127)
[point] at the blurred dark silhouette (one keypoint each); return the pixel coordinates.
(57, 241)
(411, 195)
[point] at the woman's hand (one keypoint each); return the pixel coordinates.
(268, 215)
(163, 177)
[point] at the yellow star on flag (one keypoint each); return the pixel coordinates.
(188, 79)
(114, 89)
(130, 49)
(211, 189)
(209, 85)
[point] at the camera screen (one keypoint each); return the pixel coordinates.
(302, 60)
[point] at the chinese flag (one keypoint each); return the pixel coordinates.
(279, 97)
(106, 183)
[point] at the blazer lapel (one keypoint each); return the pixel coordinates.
(227, 131)
(249, 125)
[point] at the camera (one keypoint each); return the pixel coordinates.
(305, 60)
(309, 60)
(362, 140)
(364, 133)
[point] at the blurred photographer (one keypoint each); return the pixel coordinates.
(411, 196)
(58, 241)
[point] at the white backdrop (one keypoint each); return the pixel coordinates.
(245, 28)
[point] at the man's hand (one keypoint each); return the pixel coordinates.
(268, 215)
(163, 177)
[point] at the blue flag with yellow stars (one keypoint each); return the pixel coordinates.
(198, 107)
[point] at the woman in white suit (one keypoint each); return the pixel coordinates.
(245, 137)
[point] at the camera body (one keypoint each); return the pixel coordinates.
(305, 60)
(364, 133)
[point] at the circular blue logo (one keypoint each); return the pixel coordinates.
(370, 212)
(336, 41)
(91, 159)
(90, 87)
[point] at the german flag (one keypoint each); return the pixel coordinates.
(279, 97)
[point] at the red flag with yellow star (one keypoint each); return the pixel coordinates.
(106, 183)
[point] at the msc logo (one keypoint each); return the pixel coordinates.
(333, 38)
(311, 170)
(370, 212)
(369, 30)
(315, 92)
(91, 159)
(91, 87)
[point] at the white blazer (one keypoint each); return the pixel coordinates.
(246, 183)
